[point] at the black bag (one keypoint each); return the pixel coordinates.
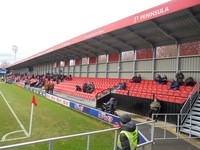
(189, 81)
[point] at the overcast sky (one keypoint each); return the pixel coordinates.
(36, 25)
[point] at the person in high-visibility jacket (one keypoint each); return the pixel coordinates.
(128, 137)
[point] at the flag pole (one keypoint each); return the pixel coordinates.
(31, 120)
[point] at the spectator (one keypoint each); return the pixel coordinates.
(78, 88)
(62, 78)
(46, 87)
(110, 106)
(51, 87)
(133, 78)
(41, 84)
(174, 85)
(138, 79)
(110, 102)
(66, 77)
(164, 80)
(57, 79)
(189, 81)
(158, 79)
(179, 77)
(70, 77)
(128, 137)
(154, 108)
(90, 88)
(85, 86)
(37, 84)
(123, 86)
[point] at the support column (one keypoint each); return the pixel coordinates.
(96, 67)
(106, 66)
(153, 62)
(177, 58)
(134, 62)
(119, 64)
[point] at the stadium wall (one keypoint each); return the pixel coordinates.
(125, 69)
(147, 67)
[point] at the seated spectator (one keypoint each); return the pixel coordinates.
(70, 77)
(158, 79)
(41, 84)
(123, 86)
(179, 77)
(57, 79)
(110, 102)
(110, 106)
(62, 78)
(78, 88)
(33, 83)
(66, 77)
(85, 86)
(138, 79)
(189, 81)
(90, 88)
(164, 80)
(133, 78)
(37, 84)
(174, 85)
(154, 108)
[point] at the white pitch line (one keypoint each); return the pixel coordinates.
(15, 139)
(4, 137)
(21, 125)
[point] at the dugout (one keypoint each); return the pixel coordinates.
(140, 106)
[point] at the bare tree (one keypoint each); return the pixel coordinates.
(5, 63)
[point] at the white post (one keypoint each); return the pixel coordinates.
(31, 118)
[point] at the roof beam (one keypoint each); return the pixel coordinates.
(163, 31)
(80, 50)
(138, 34)
(173, 20)
(63, 55)
(123, 41)
(101, 49)
(194, 16)
(87, 48)
(64, 52)
(112, 47)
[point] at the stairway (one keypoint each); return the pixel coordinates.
(191, 125)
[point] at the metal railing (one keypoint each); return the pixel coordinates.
(190, 101)
(171, 128)
(50, 141)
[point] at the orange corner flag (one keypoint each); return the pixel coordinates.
(34, 101)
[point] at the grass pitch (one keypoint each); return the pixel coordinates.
(49, 120)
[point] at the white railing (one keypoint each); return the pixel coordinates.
(51, 140)
(88, 134)
(189, 103)
(171, 128)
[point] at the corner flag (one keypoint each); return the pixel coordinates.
(34, 101)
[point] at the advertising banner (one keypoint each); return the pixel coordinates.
(106, 117)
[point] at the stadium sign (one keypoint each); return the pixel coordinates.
(151, 14)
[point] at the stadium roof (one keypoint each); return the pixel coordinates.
(177, 21)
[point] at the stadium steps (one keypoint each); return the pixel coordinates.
(191, 125)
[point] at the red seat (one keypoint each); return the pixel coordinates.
(149, 96)
(183, 94)
(172, 99)
(170, 92)
(177, 93)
